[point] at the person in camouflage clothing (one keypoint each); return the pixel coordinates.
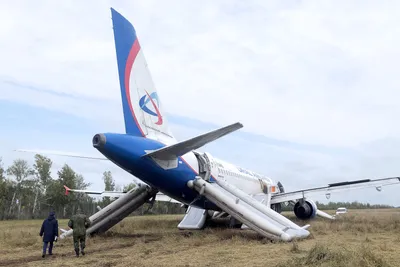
(79, 223)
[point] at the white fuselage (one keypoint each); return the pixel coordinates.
(248, 181)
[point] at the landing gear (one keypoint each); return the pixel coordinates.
(233, 223)
(277, 207)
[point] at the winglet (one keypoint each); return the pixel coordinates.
(67, 189)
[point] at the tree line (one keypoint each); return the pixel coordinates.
(30, 192)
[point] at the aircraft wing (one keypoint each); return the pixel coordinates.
(335, 187)
(159, 197)
(61, 153)
(99, 193)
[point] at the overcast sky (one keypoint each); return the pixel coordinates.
(314, 83)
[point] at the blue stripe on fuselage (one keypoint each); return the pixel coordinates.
(126, 151)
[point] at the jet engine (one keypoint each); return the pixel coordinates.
(305, 209)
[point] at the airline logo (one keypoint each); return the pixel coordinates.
(148, 105)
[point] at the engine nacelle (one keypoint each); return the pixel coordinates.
(305, 210)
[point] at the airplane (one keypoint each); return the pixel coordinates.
(149, 151)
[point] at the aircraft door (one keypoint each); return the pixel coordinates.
(213, 167)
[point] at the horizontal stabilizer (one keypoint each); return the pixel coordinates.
(173, 151)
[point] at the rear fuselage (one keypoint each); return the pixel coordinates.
(126, 151)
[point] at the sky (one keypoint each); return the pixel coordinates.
(312, 82)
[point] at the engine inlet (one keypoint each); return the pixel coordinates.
(99, 140)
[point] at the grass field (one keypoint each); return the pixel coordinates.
(360, 238)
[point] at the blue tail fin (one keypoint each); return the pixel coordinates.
(142, 108)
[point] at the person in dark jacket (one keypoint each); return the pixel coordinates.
(49, 231)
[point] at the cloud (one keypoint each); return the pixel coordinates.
(313, 83)
(317, 73)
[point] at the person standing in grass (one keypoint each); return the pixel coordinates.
(49, 232)
(79, 223)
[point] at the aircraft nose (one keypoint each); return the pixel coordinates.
(99, 140)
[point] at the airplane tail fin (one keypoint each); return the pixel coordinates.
(143, 112)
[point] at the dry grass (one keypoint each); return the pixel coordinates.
(360, 238)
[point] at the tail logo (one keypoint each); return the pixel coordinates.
(147, 98)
